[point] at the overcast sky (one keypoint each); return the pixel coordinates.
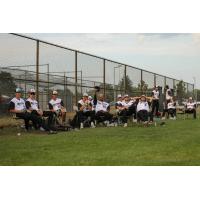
(176, 55)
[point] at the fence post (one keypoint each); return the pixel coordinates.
(65, 90)
(25, 76)
(48, 85)
(104, 78)
(141, 82)
(165, 81)
(37, 69)
(76, 78)
(125, 80)
(155, 80)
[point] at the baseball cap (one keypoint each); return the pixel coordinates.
(31, 91)
(18, 90)
(85, 94)
(119, 96)
(54, 92)
(190, 98)
(126, 95)
(90, 97)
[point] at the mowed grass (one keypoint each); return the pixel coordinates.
(176, 144)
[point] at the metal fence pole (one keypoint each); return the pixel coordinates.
(104, 78)
(37, 69)
(65, 89)
(25, 75)
(125, 80)
(76, 77)
(155, 80)
(141, 82)
(48, 86)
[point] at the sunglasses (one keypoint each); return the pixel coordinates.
(32, 93)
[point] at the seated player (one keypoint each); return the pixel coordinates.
(85, 109)
(191, 107)
(171, 107)
(56, 106)
(102, 110)
(18, 107)
(32, 107)
(143, 110)
(126, 109)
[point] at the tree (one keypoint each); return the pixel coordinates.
(181, 91)
(143, 87)
(126, 85)
(7, 83)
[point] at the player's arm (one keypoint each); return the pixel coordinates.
(12, 109)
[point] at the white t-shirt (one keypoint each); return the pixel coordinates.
(127, 103)
(34, 104)
(190, 105)
(156, 94)
(19, 104)
(56, 104)
(101, 105)
(85, 104)
(143, 106)
(168, 94)
(171, 105)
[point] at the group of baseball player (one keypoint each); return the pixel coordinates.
(92, 111)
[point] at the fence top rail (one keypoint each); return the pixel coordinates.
(99, 57)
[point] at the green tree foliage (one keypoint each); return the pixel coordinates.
(7, 84)
(181, 91)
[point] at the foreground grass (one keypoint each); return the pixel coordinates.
(177, 143)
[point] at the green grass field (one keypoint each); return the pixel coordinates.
(176, 144)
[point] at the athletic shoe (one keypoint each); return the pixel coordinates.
(134, 120)
(42, 129)
(163, 118)
(81, 127)
(125, 125)
(110, 125)
(92, 125)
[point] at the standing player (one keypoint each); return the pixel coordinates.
(155, 101)
(168, 97)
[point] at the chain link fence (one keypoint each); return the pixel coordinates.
(30, 63)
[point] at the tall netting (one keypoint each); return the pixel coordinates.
(170, 82)
(89, 73)
(29, 63)
(160, 81)
(60, 76)
(148, 80)
(134, 80)
(115, 81)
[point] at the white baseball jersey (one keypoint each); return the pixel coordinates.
(171, 105)
(143, 106)
(34, 104)
(168, 94)
(85, 104)
(19, 104)
(127, 103)
(57, 104)
(190, 105)
(101, 105)
(156, 94)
